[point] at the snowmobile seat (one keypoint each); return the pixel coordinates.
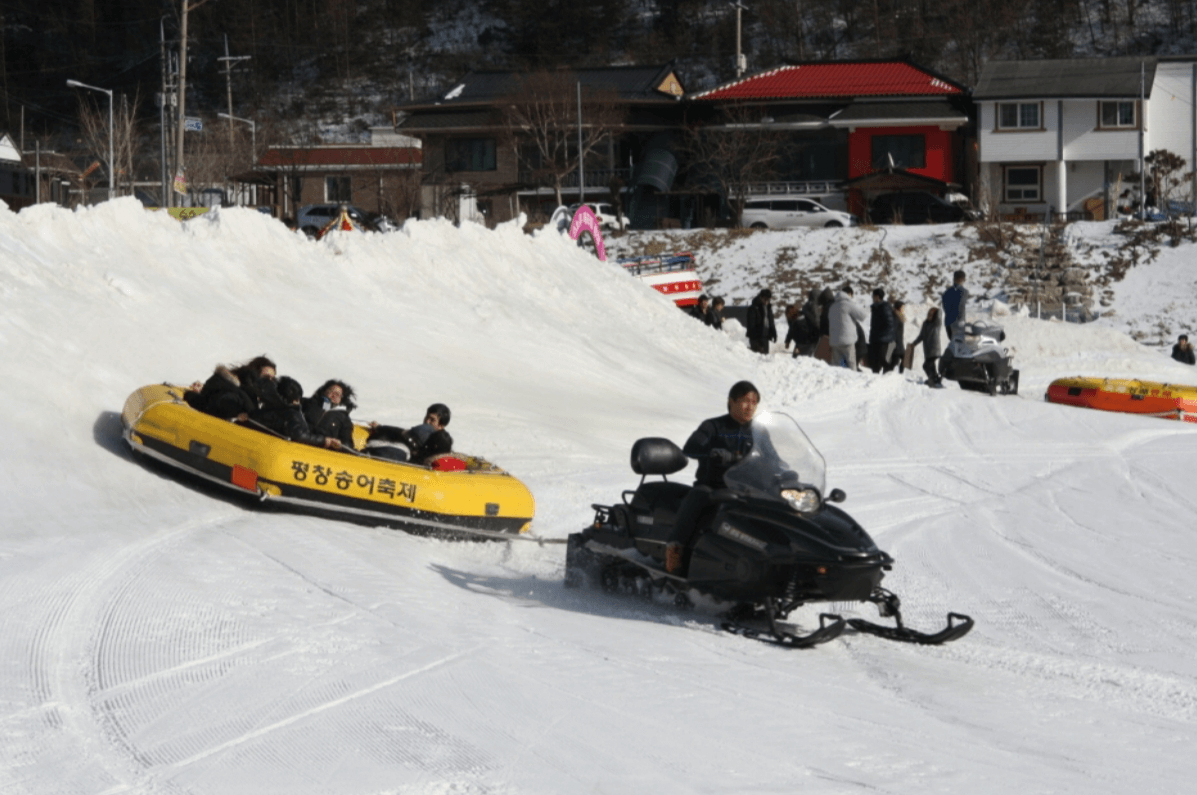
(656, 456)
(655, 505)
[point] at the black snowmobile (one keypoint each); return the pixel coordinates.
(977, 361)
(769, 542)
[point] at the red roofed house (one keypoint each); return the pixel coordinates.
(851, 120)
(382, 176)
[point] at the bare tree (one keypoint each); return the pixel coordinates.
(93, 122)
(541, 122)
(733, 152)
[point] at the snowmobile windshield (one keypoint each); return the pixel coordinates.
(782, 459)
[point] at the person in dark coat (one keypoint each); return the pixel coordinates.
(761, 328)
(233, 393)
(327, 411)
(715, 314)
(384, 440)
(717, 445)
(954, 300)
(282, 413)
(932, 347)
(881, 333)
(895, 359)
(1182, 351)
(701, 310)
(803, 324)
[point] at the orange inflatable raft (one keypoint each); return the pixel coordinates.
(1170, 401)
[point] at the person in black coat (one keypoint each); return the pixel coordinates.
(283, 414)
(701, 310)
(761, 328)
(717, 445)
(327, 411)
(714, 317)
(233, 393)
(895, 359)
(881, 332)
(1182, 351)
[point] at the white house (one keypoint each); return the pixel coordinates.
(1067, 136)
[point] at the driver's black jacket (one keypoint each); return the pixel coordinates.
(718, 433)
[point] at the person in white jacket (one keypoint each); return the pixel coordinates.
(843, 317)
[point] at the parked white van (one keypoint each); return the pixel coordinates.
(791, 213)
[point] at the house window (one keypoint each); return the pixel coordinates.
(1118, 114)
(1024, 183)
(1018, 116)
(906, 151)
(470, 154)
(338, 189)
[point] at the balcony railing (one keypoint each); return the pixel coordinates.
(812, 187)
(595, 177)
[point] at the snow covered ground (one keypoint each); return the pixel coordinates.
(158, 639)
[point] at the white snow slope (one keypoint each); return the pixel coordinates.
(156, 639)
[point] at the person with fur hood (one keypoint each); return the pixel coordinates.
(327, 411)
(845, 316)
(233, 393)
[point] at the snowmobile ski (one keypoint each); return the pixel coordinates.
(830, 627)
(953, 631)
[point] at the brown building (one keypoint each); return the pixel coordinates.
(481, 165)
(382, 176)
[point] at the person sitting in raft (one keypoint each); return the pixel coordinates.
(283, 415)
(327, 411)
(233, 393)
(384, 439)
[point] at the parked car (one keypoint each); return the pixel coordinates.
(604, 212)
(313, 218)
(791, 213)
(917, 208)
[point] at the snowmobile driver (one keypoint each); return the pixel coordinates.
(717, 445)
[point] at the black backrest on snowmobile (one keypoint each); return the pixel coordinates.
(657, 456)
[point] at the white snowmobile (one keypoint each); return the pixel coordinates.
(976, 359)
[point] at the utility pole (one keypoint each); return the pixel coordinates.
(581, 167)
(181, 123)
(228, 80)
(166, 202)
(741, 61)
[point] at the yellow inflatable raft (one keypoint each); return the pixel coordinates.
(483, 500)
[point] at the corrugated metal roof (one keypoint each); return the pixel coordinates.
(1074, 77)
(837, 79)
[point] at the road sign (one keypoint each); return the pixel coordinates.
(191, 124)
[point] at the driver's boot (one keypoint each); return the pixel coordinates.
(675, 556)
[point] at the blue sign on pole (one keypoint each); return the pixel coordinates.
(193, 125)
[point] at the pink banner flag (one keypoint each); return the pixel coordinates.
(584, 221)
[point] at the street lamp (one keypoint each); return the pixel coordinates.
(253, 132)
(111, 161)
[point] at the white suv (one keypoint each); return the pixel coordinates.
(791, 213)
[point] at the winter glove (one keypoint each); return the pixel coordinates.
(723, 456)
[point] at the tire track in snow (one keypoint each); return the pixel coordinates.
(53, 653)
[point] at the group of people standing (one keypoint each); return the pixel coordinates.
(254, 394)
(836, 316)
